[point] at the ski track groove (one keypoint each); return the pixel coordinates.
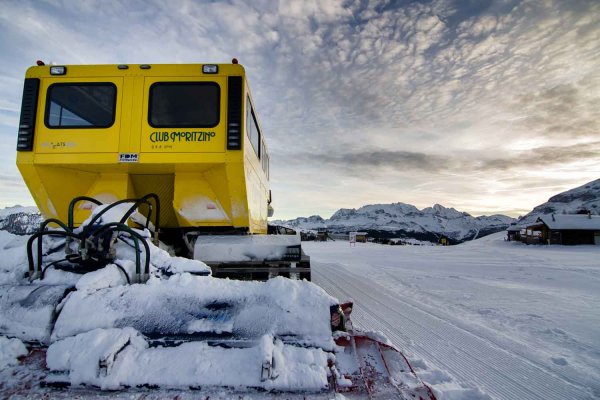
(545, 384)
(525, 368)
(499, 342)
(390, 332)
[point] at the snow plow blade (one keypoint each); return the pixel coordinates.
(386, 373)
(123, 358)
(368, 366)
(202, 333)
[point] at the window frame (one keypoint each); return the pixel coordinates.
(253, 120)
(266, 159)
(49, 101)
(180, 83)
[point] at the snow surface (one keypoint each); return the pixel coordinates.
(483, 319)
(14, 259)
(10, 349)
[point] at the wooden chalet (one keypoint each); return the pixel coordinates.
(360, 237)
(564, 229)
(513, 233)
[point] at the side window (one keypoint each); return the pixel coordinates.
(266, 164)
(264, 156)
(184, 105)
(80, 105)
(252, 128)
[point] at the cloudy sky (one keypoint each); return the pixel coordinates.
(485, 106)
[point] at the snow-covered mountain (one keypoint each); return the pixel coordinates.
(20, 220)
(584, 197)
(407, 221)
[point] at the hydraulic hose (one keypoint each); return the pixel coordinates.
(134, 234)
(75, 201)
(38, 236)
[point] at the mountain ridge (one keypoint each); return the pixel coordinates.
(401, 220)
(581, 198)
(405, 221)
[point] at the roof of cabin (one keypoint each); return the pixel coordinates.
(571, 221)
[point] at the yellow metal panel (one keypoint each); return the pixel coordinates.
(138, 97)
(183, 161)
(256, 196)
(77, 140)
(184, 140)
(200, 183)
(107, 188)
(60, 186)
(165, 70)
(196, 204)
(127, 116)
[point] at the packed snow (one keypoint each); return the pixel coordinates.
(484, 319)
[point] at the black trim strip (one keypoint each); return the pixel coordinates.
(234, 113)
(28, 114)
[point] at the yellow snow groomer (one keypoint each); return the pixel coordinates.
(187, 133)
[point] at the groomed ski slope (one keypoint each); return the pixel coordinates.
(485, 319)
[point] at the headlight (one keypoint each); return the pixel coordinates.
(56, 70)
(210, 69)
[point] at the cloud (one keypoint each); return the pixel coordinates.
(377, 163)
(370, 160)
(544, 157)
(563, 111)
(445, 91)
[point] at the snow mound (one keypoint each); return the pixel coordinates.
(10, 350)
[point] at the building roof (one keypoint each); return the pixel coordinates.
(515, 228)
(571, 221)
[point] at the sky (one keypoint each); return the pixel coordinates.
(485, 106)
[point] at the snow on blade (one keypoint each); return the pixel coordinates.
(122, 358)
(243, 248)
(186, 303)
(28, 311)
